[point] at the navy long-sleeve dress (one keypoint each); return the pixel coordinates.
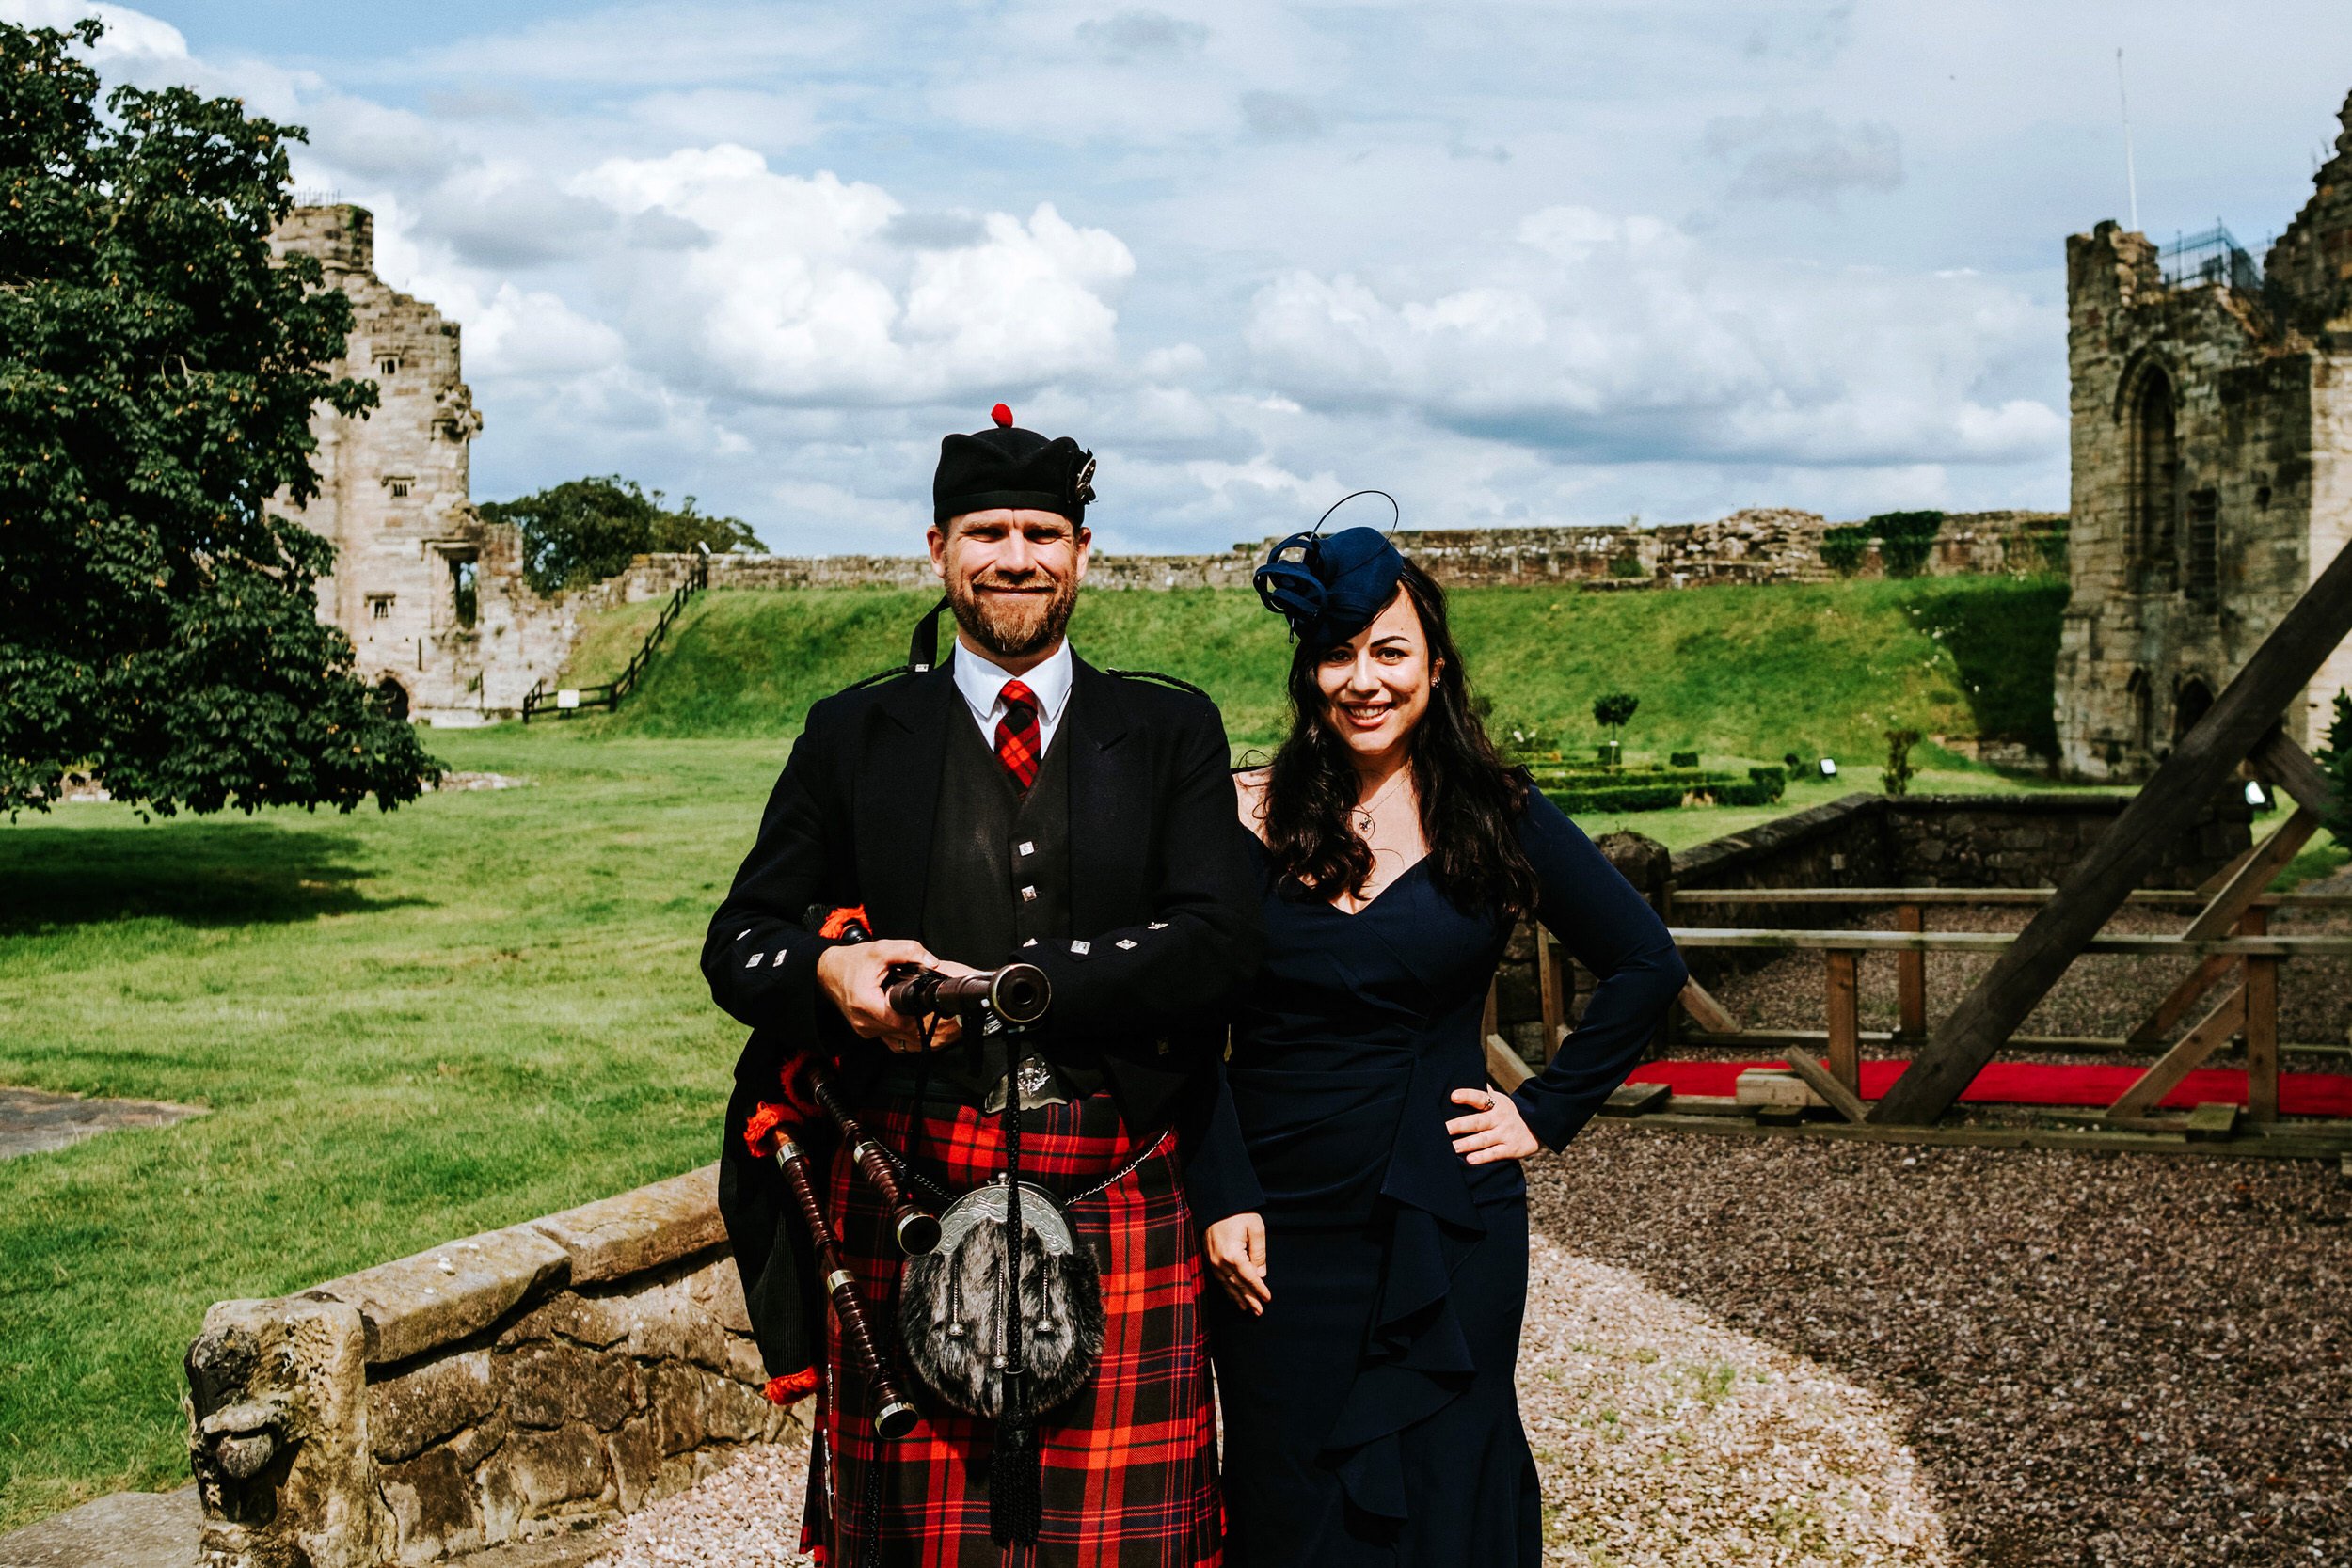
(1370, 1415)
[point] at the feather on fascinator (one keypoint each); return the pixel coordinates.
(1329, 588)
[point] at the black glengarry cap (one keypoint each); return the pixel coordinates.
(1007, 466)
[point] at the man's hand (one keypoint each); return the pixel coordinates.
(852, 975)
(1236, 1251)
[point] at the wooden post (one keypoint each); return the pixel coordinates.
(1911, 978)
(2233, 901)
(2247, 710)
(1552, 978)
(1845, 1021)
(2262, 1038)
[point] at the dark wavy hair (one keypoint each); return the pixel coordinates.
(1469, 801)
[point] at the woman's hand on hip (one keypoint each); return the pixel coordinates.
(1236, 1249)
(1497, 1132)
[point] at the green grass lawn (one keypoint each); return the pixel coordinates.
(1733, 673)
(484, 1007)
(407, 1027)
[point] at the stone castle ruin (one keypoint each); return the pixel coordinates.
(431, 597)
(2212, 431)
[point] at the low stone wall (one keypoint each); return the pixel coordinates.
(1756, 545)
(492, 1389)
(2026, 840)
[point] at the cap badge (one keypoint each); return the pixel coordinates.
(1082, 488)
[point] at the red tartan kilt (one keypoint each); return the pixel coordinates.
(1128, 1464)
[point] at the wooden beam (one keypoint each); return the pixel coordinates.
(1845, 1019)
(2262, 1038)
(2183, 996)
(1504, 1067)
(1636, 1099)
(2274, 1144)
(2234, 904)
(2164, 897)
(1707, 1013)
(2270, 857)
(1821, 1081)
(2227, 1018)
(1552, 978)
(2247, 710)
(1794, 940)
(2290, 768)
(1911, 978)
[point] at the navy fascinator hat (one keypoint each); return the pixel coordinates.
(1329, 588)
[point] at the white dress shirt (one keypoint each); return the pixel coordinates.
(983, 688)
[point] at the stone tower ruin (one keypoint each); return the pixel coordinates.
(433, 599)
(2212, 448)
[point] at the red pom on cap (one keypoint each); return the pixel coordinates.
(1002, 414)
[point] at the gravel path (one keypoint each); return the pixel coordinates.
(1796, 1353)
(1663, 1437)
(2099, 1359)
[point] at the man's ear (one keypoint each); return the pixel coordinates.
(937, 540)
(1085, 546)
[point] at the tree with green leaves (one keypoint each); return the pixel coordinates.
(585, 529)
(1897, 779)
(158, 368)
(1613, 712)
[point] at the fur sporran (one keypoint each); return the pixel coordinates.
(952, 1311)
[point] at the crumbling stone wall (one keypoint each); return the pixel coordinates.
(2212, 454)
(488, 1390)
(1751, 547)
(394, 501)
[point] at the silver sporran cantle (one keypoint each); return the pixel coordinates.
(952, 1311)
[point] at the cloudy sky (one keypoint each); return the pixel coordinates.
(1517, 263)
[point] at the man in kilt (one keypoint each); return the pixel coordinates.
(1009, 803)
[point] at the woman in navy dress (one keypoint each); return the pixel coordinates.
(1360, 1185)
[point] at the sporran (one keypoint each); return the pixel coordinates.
(956, 1323)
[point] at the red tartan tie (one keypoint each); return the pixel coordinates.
(1017, 744)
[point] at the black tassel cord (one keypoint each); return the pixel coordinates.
(1016, 1503)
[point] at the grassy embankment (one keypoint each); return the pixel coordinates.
(484, 1005)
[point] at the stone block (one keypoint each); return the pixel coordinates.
(640, 1230)
(669, 1326)
(682, 1399)
(716, 1288)
(597, 1321)
(554, 1383)
(435, 1512)
(744, 1361)
(408, 1414)
(449, 1294)
(277, 1408)
(735, 1413)
(539, 1474)
(636, 1457)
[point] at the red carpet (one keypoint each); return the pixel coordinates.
(2088, 1084)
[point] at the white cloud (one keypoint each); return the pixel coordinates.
(131, 38)
(1805, 157)
(1591, 336)
(800, 296)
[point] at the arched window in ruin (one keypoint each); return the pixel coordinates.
(2138, 703)
(2189, 706)
(395, 696)
(2155, 478)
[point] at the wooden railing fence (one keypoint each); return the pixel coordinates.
(567, 701)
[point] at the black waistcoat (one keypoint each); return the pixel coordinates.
(999, 879)
(1000, 856)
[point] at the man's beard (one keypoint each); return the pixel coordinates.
(1012, 628)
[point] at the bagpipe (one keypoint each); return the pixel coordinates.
(963, 1321)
